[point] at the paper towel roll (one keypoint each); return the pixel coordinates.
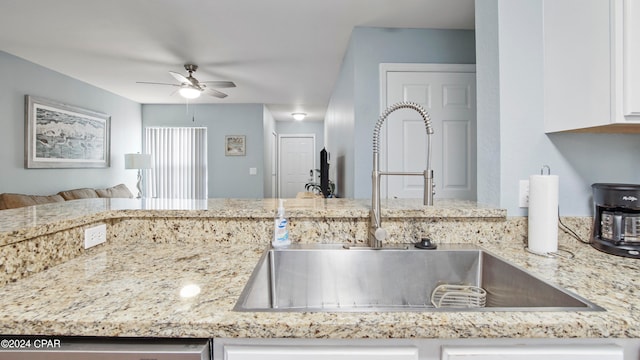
(543, 213)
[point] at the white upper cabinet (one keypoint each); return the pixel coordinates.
(630, 14)
(591, 65)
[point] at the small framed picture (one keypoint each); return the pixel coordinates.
(235, 145)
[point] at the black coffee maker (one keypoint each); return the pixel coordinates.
(616, 219)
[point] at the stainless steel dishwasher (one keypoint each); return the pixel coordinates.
(33, 348)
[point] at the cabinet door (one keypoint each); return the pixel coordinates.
(577, 38)
(533, 352)
(591, 65)
(284, 352)
(630, 15)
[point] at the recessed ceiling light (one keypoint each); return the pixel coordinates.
(299, 116)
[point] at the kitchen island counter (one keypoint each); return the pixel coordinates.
(28, 222)
(134, 289)
(38, 237)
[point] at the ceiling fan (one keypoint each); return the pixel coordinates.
(191, 88)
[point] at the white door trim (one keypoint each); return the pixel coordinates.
(280, 137)
(274, 165)
(384, 68)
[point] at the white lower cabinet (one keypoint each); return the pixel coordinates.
(426, 349)
(533, 352)
(310, 352)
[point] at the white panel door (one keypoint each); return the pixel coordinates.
(450, 100)
(297, 160)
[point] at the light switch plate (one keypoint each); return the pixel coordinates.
(253, 171)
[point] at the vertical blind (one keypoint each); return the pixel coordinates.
(179, 162)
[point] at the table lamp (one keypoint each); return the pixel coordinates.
(139, 162)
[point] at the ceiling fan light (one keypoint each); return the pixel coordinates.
(189, 92)
(299, 116)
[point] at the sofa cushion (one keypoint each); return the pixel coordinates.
(118, 191)
(12, 201)
(45, 199)
(75, 194)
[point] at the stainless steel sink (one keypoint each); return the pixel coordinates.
(333, 278)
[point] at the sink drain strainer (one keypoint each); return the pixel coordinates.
(458, 296)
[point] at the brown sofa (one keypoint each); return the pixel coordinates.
(11, 201)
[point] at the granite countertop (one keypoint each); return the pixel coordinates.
(28, 222)
(131, 286)
(133, 289)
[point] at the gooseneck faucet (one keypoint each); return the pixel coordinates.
(377, 234)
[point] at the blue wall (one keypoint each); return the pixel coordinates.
(367, 49)
(20, 78)
(228, 175)
(510, 113)
(339, 127)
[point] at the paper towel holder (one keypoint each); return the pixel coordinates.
(545, 167)
(559, 252)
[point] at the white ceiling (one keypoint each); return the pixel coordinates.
(283, 53)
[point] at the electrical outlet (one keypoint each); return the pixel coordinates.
(523, 198)
(95, 235)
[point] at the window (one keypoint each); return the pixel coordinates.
(179, 162)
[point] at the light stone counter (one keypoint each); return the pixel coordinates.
(24, 223)
(37, 237)
(131, 285)
(133, 289)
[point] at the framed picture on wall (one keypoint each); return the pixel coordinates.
(235, 145)
(64, 136)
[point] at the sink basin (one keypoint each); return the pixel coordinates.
(334, 278)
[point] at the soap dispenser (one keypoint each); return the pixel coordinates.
(280, 231)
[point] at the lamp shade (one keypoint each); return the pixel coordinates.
(189, 92)
(137, 161)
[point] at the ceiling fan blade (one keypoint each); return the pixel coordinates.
(219, 84)
(216, 93)
(154, 83)
(183, 79)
